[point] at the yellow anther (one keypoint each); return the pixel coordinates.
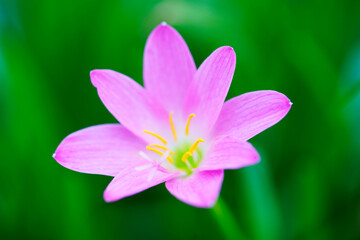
(172, 126)
(185, 156)
(188, 123)
(159, 152)
(194, 146)
(161, 147)
(157, 136)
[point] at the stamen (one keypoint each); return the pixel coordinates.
(161, 147)
(160, 153)
(172, 126)
(185, 156)
(163, 157)
(157, 136)
(194, 146)
(188, 123)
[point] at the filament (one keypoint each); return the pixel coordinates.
(161, 147)
(194, 146)
(172, 126)
(160, 153)
(157, 136)
(185, 156)
(188, 123)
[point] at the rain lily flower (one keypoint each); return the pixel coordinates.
(177, 129)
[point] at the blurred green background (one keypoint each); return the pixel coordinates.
(307, 185)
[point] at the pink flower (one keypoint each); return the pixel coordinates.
(177, 129)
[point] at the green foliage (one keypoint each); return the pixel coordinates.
(307, 185)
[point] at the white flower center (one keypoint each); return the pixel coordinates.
(184, 155)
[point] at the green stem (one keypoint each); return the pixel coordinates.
(226, 221)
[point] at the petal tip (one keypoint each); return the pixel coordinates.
(108, 197)
(59, 157)
(94, 74)
(227, 52)
(163, 29)
(287, 103)
(57, 153)
(257, 158)
(228, 49)
(283, 100)
(97, 75)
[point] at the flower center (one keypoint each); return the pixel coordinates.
(183, 155)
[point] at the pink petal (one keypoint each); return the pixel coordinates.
(229, 153)
(251, 113)
(168, 66)
(201, 189)
(103, 149)
(130, 103)
(209, 88)
(130, 181)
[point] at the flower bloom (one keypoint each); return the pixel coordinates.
(177, 129)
